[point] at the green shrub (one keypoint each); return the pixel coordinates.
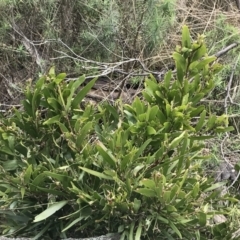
(69, 166)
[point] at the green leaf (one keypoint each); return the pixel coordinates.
(224, 129)
(50, 211)
(175, 229)
(59, 78)
(201, 121)
(137, 169)
(85, 213)
(176, 141)
(152, 113)
(130, 237)
(138, 106)
(28, 107)
(148, 183)
(142, 148)
(54, 104)
(52, 71)
(199, 53)
(204, 62)
(202, 219)
(186, 41)
(195, 190)
(151, 130)
(74, 87)
(97, 174)
(185, 99)
(82, 93)
(83, 134)
(107, 156)
(215, 186)
(136, 205)
(146, 192)
(139, 232)
(52, 120)
(180, 65)
(167, 79)
(162, 219)
(211, 122)
(27, 174)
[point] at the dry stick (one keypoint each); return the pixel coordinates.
(225, 50)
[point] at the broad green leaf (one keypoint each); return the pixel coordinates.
(50, 211)
(137, 169)
(176, 141)
(197, 98)
(127, 159)
(167, 79)
(82, 93)
(147, 96)
(182, 154)
(171, 208)
(130, 236)
(197, 111)
(201, 121)
(74, 87)
(174, 191)
(54, 104)
(224, 129)
(138, 106)
(195, 190)
(97, 174)
(40, 82)
(162, 219)
(27, 174)
(180, 65)
(23, 190)
(82, 134)
(36, 101)
(52, 71)
(199, 52)
(142, 148)
(148, 183)
(186, 41)
(146, 192)
(28, 108)
(175, 229)
(202, 219)
(9, 165)
(151, 130)
(152, 113)
(73, 223)
(52, 120)
(62, 127)
(205, 61)
(166, 196)
(185, 99)
(136, 205)
(138, 232)
(151, 86)
(106, 155)
(215, 186)
(211, 122)
(180, 60)
(85, 213)
(60, 77)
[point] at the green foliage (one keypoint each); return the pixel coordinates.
(69, 166)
